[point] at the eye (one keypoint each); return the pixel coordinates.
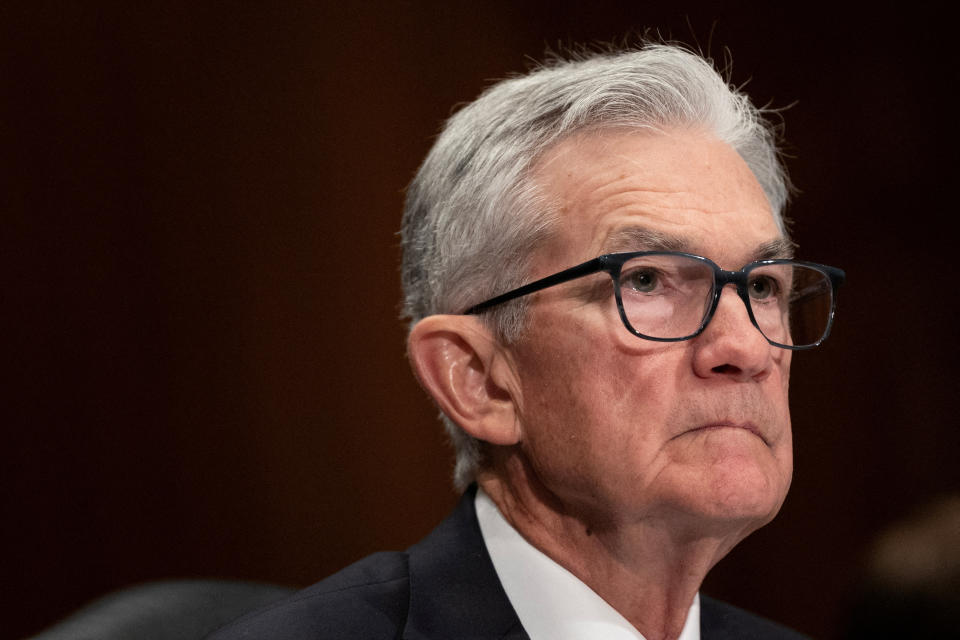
(641, 280)
(763, 287)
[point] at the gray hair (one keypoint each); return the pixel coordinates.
(472, 217)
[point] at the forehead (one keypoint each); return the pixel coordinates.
(614, 188)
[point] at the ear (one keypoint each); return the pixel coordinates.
(465, 369)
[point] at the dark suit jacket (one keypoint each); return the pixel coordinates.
(442, 588)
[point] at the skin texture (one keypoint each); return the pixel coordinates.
(636, 465)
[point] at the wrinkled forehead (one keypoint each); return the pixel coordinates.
(684, 190)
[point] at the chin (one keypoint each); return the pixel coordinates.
(742, 507)
(735, 474)
(737, 493)
(746, 498)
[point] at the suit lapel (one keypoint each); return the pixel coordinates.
(454, 589)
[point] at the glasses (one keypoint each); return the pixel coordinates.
(670, 296)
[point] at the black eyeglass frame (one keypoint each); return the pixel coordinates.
(612, 263)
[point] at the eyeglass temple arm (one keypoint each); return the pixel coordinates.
(584, 269)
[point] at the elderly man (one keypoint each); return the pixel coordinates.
(604, 305)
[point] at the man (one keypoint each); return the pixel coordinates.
(619, 412)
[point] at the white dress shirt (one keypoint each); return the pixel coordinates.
(551, 602)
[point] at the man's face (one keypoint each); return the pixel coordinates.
(622, 429)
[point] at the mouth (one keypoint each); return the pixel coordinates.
(741, 426)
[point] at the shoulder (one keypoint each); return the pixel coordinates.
(368, 599)
(721, 621)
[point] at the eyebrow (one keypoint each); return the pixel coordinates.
(777, 248)
(642, 239)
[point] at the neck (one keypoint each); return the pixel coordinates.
(648, 570)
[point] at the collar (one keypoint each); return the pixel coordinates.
(561, 606)
(454, 589)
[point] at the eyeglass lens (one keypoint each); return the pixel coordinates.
(668, 296)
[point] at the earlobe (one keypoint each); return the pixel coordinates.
(460, 365)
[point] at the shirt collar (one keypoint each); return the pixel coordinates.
(559, 606)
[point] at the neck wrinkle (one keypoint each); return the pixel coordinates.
(645, 570)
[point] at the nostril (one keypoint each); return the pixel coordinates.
(726, 368)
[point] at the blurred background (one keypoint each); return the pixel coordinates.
(206, 373)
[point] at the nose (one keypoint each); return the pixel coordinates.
(731, 346)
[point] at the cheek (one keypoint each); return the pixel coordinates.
(785, 357)
(782, 402)
(559, 395)
(592, 415)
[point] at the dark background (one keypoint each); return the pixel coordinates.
(205, 370)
